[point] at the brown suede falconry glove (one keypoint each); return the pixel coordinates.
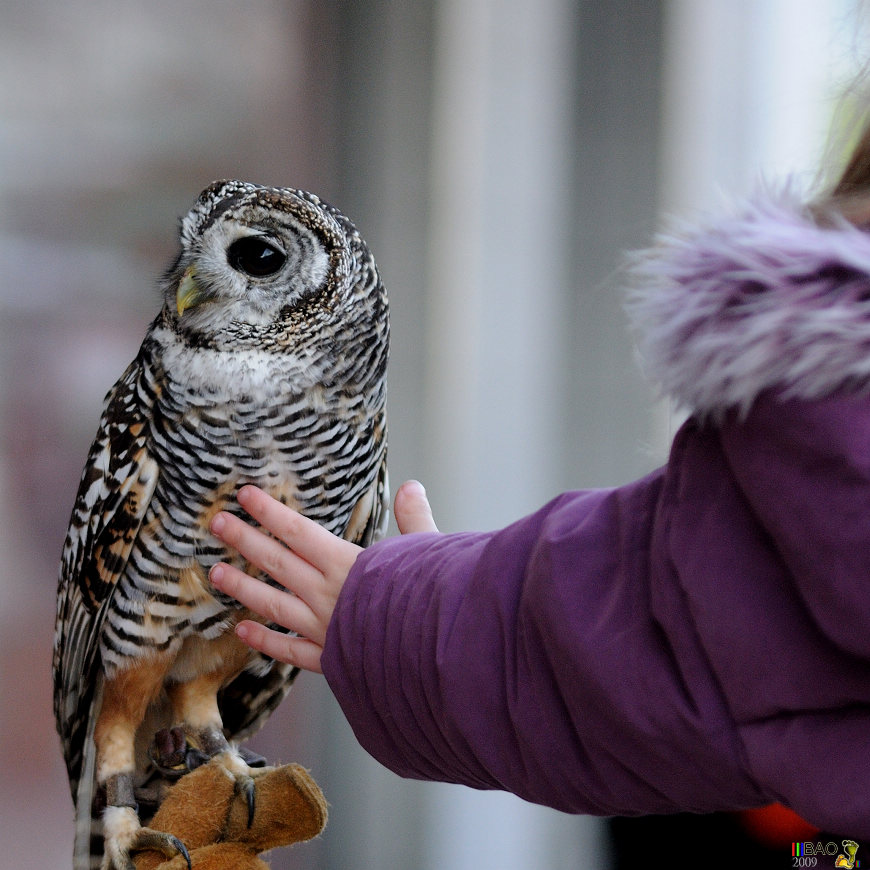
(204, 811)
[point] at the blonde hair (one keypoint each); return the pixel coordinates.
(849, 196)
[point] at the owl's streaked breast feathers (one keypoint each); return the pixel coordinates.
(265, 365)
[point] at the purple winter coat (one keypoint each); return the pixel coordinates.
(698, 640)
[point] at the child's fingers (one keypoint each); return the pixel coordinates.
(266, 553)
(305, 537)
(272, 604)
(297, 651)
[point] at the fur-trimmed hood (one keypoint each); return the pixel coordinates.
(764, 299)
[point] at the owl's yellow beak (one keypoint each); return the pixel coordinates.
(189, 293)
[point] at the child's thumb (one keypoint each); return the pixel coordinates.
(412, 510)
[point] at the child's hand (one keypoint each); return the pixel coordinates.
(314, 565)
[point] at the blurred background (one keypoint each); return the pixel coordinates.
(498, 156)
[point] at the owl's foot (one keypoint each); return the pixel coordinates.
(243, 774)
(123, 834)
(174, 754)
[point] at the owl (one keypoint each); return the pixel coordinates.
(265, 365)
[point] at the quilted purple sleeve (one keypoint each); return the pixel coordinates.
(528, 660)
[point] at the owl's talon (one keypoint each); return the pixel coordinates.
(245, 787)
(124, 834)
(251, 758)
(194, 758)
(160, 841)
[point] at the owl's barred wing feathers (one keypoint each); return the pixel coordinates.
(116, 486)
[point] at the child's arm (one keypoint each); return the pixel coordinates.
(305, 559)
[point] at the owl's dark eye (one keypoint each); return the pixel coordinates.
(255, 257)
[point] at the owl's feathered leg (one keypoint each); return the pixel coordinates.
(126, 697)
(197, 713)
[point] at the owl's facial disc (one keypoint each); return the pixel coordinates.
(251, 255)
(248, 268)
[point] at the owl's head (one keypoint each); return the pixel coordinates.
(255, 256)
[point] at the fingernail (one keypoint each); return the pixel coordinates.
(242, 631)
(218, 523)
(416, 484)
(216, 575)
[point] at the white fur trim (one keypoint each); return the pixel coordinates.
(766, 299)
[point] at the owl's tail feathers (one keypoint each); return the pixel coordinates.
(88, 848)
